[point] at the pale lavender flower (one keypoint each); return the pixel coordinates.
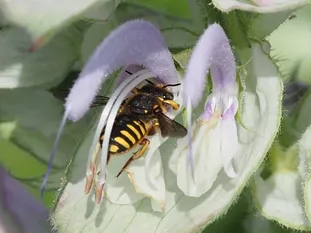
(213, 143)
(20, 211)
(134, 45)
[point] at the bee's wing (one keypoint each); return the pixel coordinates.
(99, 100)
(170, 128)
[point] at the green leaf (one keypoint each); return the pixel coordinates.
(177, 32)
(263, 25)
(46, 16)
(261, 106)
(182, 58)
(93, 37)
(260, 6)
(47, 66)
(293, 61)
(236, 28)
(166, 7)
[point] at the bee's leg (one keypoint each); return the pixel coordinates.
(92, 170)
(135, 90)
(153, 129)
(138, 154)
(108, 158)
(172, 103)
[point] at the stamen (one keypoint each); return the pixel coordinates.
(228, 105)
(172, 85)
(53, 152)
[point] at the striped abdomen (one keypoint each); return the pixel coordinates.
(128, 131)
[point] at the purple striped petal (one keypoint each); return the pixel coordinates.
(135, 42)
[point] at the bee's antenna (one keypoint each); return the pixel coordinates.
(149, 82)
(128, 72)
(172, 85)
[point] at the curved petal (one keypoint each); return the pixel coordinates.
(133, 184)
(137, 176)
(213, 52)
(127, 71)
(120, 190)
(229, 145)
(135, 42)
(280, 198)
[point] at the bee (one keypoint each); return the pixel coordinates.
(140, 115)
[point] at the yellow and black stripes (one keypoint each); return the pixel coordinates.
(128, 130)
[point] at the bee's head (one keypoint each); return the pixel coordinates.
(159, 90)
